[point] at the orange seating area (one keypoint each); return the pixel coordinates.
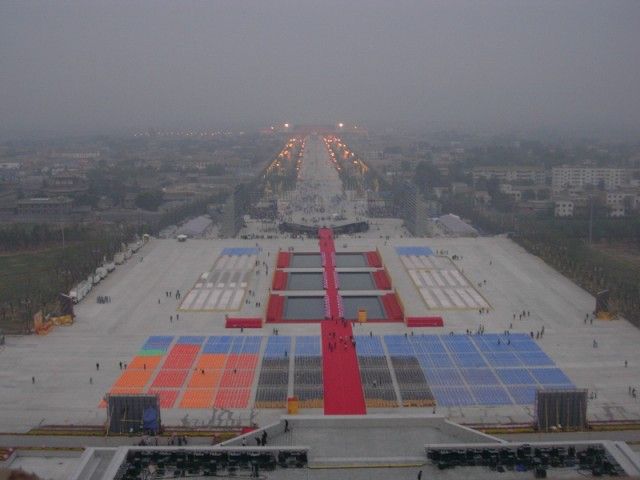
(167, 397)
(186, 377)
(242, 361)
(232, 398)
(237, 379)
(205, 379)
(125, 391)
(181, 356)
(198, 398)
(170, 378)
(144, 363)
(133, 379)
(211, 360)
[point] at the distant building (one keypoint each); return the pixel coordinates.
(459, 187)
(482, 197)
(536, 175)
(414, 210)
(563, 177)
(622, 202)
(564, 208)
(508, 189)
(456, 227)
(44, 206)
(65, 184)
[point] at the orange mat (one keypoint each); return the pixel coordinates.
(198, 398)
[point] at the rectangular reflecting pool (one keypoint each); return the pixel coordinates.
(305, 281)
(350, 260)
(371, 304)
(306, 260)
(304, 308)
(356, 281)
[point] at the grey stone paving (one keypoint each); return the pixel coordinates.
(64, 361)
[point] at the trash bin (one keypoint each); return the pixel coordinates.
(292, 405)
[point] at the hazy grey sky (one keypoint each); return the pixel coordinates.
(104, 65)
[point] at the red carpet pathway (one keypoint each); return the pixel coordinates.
(343, 393)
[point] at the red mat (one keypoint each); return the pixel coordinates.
(283, 260)
(392, 307)
(343, 393)
(381, 278)
(373, 259)
(243, 322)
(275, 308)
(279, 280)
(425, 322)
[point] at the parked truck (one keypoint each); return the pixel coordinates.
(80, 291)
(101, 272)
(118, 258)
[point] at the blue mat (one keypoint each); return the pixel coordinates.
(417, 251)
(240, 251)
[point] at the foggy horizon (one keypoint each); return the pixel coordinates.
(495, 66)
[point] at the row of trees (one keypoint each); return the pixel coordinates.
(31, 281)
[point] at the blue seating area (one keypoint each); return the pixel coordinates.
(308, 346)
(515, 376)
(459, 370)
(369, 346)
(453, 396)
(190, 340)
(490, 369)
(550, 377)
(522, 394)
(417, 251)
(278, 347)
(158, 342)
(251, 344)
(493, 395)
(218, 344)
(240, 251)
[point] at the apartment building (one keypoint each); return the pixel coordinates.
(563, 177)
